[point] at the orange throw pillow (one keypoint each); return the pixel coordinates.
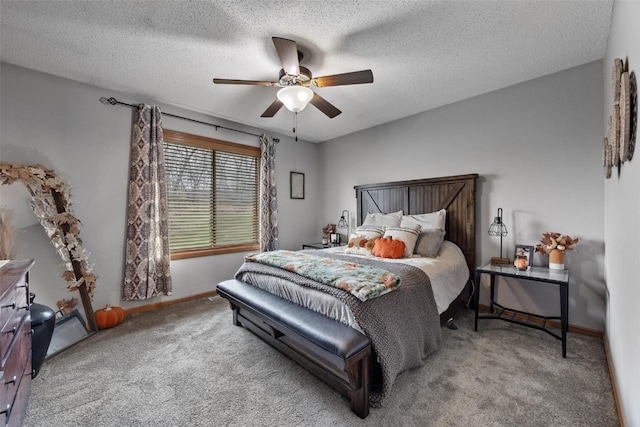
(386, 247)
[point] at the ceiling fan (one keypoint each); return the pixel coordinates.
(295, 81)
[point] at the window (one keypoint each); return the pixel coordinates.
(213, 195)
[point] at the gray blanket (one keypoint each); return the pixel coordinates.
(403, 325)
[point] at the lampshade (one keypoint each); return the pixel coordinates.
(295, 98)
(344, 220)
(497, 227)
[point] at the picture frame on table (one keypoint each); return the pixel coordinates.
(297, 185)
(525, 250)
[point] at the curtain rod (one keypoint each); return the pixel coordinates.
(113, 101)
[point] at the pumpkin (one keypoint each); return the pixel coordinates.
(386, 247)
(109, 317)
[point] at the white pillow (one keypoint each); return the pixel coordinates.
(370, 231)
(427, 221)
(409, 235)
(391, 219)
(360, 245)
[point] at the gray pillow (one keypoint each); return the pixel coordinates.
(429, 242)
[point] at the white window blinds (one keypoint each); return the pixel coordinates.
(212, 197)
(235, 199)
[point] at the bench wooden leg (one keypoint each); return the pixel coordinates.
(234, 310)
(359, 378)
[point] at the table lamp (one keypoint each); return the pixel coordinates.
(343, 223)
(498, 228)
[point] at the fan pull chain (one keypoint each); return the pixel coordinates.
(295, 125)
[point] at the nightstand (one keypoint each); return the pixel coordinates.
(532, 274)
(320, 245)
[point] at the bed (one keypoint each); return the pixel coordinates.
(360, 347)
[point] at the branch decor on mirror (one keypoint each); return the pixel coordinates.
(51, 202)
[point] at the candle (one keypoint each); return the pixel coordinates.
(521, 262)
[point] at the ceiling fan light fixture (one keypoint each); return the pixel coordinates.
(295, 98)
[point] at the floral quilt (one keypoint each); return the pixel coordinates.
(362, 281)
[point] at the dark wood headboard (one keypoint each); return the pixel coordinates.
(456, 194)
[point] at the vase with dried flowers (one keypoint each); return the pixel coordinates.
(555, 244)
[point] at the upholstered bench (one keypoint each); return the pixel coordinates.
(338, 354)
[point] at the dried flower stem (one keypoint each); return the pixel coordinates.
(8, 233)
(553, 240)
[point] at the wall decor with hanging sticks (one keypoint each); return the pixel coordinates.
(619, 144)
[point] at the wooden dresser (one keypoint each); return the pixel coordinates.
(15, 342)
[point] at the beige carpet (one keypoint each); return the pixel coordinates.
(187, 365)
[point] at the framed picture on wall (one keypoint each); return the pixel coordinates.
(297, 185)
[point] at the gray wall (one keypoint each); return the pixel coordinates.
(537, 148)
(622, 228)
(62, 125)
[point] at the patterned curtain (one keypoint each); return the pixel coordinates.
(268, 200)
(147, 256)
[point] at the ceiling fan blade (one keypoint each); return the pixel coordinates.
(353, 78)
(272, 109)
(325, 106)
(244, 82)
(288, 53)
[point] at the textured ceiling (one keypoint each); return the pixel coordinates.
(423, 54)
